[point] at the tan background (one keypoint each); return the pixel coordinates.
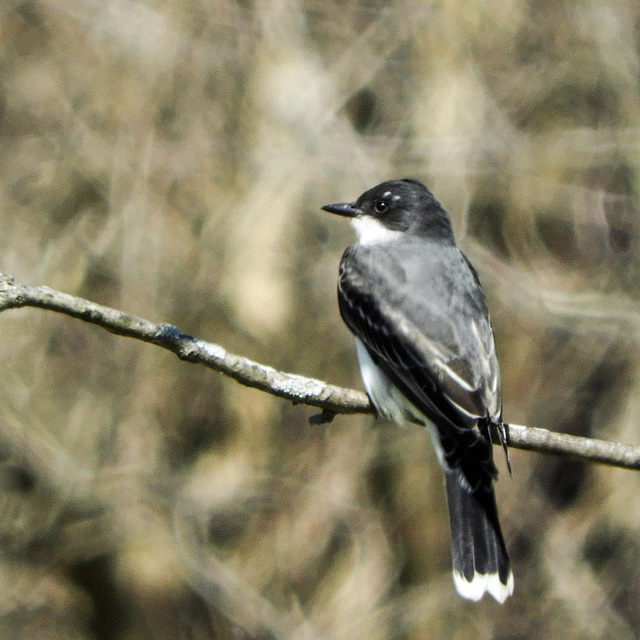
(170, 158)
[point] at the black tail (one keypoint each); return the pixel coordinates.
(480, 560)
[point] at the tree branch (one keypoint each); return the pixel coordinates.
(298, 389)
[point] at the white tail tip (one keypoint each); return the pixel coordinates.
(483, 583)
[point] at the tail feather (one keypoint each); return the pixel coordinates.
(480, 559)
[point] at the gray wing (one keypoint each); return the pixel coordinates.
(436, 346)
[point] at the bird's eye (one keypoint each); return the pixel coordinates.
(381, 206)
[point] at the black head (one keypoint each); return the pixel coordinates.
(400, 205)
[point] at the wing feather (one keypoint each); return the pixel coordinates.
(443, 361)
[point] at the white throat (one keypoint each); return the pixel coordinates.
(372, 231)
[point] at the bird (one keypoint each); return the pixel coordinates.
(427, 355)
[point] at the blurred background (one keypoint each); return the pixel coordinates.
(170, 158)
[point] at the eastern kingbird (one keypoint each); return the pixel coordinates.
(426, 351)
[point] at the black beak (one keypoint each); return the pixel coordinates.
(347, 209)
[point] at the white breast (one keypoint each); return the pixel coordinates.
(372, 231)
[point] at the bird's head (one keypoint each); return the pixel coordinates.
(388, 210)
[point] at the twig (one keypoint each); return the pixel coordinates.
(299, 389)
